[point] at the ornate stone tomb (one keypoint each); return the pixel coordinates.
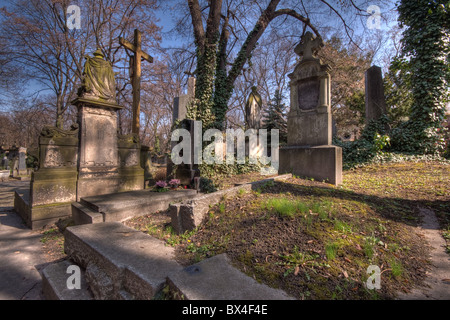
(87, 160)
(309, 152)
(54, 186)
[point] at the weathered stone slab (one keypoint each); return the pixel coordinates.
(190, 213)
(54, 283)
(120, 262)
(125, 205)
(216, 279)
(50, 186)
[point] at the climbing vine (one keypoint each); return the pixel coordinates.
(425, 45)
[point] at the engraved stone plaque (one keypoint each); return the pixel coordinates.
(308, 94)
(99, 138)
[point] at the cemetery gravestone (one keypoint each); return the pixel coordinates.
(375, 100)
(146, 162)
(102, 169)
(4, 170)
(309, 151)
(22, 165)
(184, 172)
(54, 186)
(89, 159)
(180, 103)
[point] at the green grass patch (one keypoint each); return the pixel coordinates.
(289, 208)
(331, 250)
(369, 246)
(168, 234)
(396, 268)
(342, 226)
(298, 259)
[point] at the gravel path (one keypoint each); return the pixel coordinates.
(21, 254)
(437, 283)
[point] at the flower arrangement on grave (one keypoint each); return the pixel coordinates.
(161, 186)
(174, 183)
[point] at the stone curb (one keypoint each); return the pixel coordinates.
(189, 214)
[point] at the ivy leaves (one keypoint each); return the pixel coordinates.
(425, 45)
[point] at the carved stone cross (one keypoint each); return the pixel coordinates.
(308, 46)
(136, 75)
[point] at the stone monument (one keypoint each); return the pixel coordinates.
(253, 110)
(22, 166)
(184, 172)
(54, 186)
(309, 151)
(89, 159)
(19, 156)
(101, 168)
(375, 100)
(180, 103)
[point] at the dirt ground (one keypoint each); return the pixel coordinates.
(314, 240)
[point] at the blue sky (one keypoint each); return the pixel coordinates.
(166, 22)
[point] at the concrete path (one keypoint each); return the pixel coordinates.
(437, 283)
(21, 253)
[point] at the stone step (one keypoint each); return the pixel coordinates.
(216, 279)
(123, 263)
(54, 283)
(120, 262)
(125, 205)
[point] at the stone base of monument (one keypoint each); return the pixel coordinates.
(323, 163)
(36, 217)
(54, 283)
(186, 174)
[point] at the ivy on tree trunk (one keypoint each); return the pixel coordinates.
(215, 84)
(426, 45)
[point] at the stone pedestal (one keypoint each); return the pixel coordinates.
(323, 163)
(98, 164)
(104, 165)
(309, 152)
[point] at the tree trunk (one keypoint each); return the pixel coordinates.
(59, 112)
(215, 86)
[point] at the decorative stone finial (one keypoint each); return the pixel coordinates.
(309, 46)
